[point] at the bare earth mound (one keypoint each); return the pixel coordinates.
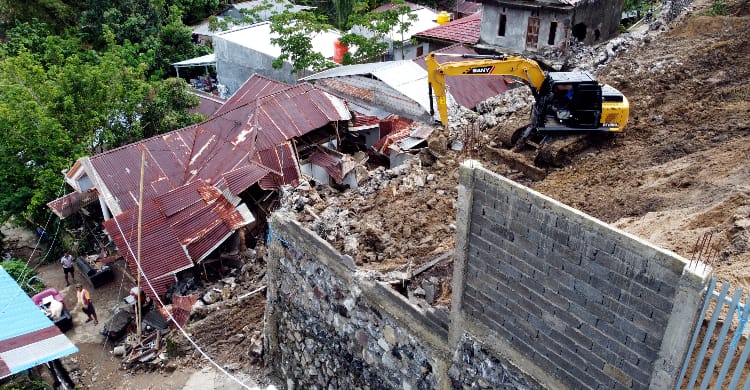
(680, 170)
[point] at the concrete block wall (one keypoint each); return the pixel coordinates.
(329, 326)
(565, 298)
(236, 63)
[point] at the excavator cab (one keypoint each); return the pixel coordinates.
(569, 102)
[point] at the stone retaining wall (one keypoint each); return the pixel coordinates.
(544, 296)
(331, 327)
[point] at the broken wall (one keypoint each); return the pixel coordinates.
(543, 296)
(601, 20)
(331, 326)
(569, 300)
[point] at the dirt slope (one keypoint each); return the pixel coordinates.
(682, 168)
(678, 173)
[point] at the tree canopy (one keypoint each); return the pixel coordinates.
(65, 96)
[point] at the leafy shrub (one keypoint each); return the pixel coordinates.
(718, 8)
(22, 273)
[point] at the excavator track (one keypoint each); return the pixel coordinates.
(558, 150)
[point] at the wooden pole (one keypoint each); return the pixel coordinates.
(138, 255)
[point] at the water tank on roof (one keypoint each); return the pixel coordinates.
(443, 18)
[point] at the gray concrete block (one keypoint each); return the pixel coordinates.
(602, 312)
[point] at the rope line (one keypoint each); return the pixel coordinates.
(171, 318)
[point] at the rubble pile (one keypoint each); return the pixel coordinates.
(384, 222)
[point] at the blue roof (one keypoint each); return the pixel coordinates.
(19, 316)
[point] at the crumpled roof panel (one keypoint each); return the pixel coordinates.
(293, 113)
(69, 204)
(179, 228)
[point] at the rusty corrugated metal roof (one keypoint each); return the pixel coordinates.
(330, 163)
(294, 112)
(186, 214)
(255, 87)
(363, 121)
(468, 91)
(179, 228)
(69, 204)
(208, 105)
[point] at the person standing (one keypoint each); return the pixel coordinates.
(84, 301)
(67, 264)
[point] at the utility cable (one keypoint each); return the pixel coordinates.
(171, 318)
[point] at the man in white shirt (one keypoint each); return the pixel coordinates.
(67, 264)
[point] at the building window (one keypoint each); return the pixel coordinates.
(552, 33)
(420, 51)
(501, 26)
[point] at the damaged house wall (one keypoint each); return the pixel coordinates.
(543, 26)
(543, 296)
(328, 325)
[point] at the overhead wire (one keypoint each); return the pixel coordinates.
(171, 318)
(26, 266)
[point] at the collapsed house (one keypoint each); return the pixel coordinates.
(203, 182)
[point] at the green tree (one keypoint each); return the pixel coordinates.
(342, 10)
(13, 12)
(368, 37)
(168, 107)
(35, 146)
(295, 31)
(174, 44)
(20, 271)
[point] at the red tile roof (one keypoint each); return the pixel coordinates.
(464, 30)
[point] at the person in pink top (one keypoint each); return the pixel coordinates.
(84, 301)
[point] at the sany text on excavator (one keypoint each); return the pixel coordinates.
(566, 103)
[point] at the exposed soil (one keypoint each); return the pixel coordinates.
(679, 172)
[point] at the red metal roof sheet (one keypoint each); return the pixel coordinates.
(178, 228)
(292, 113)
(71, 203)
(361, 120)
(331, 164)
(255, 87)
(242, 178)
(464, 30)
(468, 90)
(208, 104)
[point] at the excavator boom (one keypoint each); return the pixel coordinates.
(482, 65)
(567, 105)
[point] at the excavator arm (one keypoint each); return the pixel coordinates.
(482, 65)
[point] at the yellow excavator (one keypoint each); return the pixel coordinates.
(566, 103)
